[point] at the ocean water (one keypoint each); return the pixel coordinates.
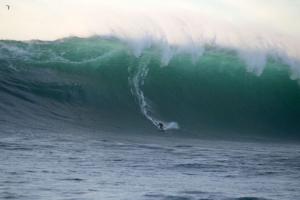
(94, 165)
(79, 119)
(104, 82)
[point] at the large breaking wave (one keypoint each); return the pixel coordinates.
(105, 81)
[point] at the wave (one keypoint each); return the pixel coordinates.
(211, 89)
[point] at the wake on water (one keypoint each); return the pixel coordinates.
(136, 81)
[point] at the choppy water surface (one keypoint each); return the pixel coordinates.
(95, 166)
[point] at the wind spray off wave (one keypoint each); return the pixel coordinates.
(254, 28)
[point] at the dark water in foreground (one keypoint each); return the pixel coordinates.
(47, 165)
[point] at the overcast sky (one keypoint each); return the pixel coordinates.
(51, 19)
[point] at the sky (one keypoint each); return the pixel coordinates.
(52, 19)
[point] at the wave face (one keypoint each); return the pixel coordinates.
(105, 81)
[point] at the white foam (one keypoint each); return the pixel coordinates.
(136, 81)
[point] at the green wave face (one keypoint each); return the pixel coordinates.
(213, 93)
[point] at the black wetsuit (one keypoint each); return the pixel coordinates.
(161, 126)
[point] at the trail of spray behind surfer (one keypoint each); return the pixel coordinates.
(136, 80)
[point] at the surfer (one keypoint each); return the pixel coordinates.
(161, 126)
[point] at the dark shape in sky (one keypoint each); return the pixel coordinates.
(8, 7)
